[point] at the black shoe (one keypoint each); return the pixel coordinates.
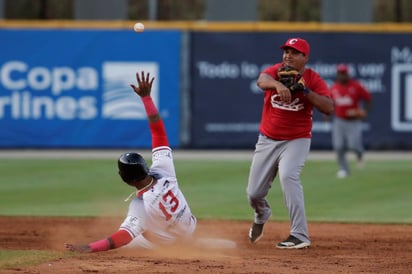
(292, 243)
(256, 232)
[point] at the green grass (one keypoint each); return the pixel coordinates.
(380, 193)
(19, 258)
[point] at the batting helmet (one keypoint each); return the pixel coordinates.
(132, 167)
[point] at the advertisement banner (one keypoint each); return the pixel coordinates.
(227, 103)
(71, 88)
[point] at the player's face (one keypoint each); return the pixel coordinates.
(294, 58)
(342, 77)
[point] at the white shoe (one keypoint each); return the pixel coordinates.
(342, 174)
(292, 243)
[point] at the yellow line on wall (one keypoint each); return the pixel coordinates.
(209, 26)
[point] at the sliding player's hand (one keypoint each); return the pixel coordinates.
(78, 248)
(144, 84)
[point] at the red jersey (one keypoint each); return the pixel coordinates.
(282, 121)
(347, 97)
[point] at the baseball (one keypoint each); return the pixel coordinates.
(138, 27)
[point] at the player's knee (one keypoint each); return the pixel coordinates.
(289, 177)
(254, 195)
(251, 196)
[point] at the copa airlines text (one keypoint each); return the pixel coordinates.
(47, 93)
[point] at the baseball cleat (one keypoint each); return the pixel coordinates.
(256, 232)
(342, 174)
(292, 243)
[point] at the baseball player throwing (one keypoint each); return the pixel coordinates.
(290, 93)
(159, 209)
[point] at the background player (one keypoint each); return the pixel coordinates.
(285, 138)
(159, 208)
(348, 94)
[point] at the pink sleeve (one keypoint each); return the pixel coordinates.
(159, 136)
(116, 240)
(100, 245)
(120, 238)
(157, 129)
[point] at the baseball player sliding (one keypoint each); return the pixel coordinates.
(290, 93)
(159, 209)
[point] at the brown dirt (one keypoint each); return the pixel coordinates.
(336, 248)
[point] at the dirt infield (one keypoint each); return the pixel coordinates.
(336, 248)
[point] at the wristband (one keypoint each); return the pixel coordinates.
(101, 245)
(149, 105)
(306, 91)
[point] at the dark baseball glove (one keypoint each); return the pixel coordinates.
(291, 78)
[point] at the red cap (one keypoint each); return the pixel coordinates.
(342, 68)
(298, 44)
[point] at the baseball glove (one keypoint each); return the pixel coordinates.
(291, 78)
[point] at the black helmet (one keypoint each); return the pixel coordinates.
(132, 167)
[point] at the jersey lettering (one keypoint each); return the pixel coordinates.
(292, 106)
(169, 199)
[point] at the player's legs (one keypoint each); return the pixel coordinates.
(183, 229)
(354, 132)
(338, 142)
(292, 160)
(180, 231)
(262, 173)
(190, 224)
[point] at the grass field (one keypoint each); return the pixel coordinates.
(21, 258)
(379, 193)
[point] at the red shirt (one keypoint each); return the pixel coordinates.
(347, 97)
(281, 121)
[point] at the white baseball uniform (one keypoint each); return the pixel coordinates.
(160, 210)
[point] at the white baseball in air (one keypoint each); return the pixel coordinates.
(138, 27)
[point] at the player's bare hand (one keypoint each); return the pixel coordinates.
(284, 93)
(356, 113)
(144, 84)
(78, 248)
(362, 113)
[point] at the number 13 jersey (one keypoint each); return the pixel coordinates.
(161, 210)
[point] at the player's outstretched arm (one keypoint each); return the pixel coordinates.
(157, 128)
(78, 248)
(116, 240)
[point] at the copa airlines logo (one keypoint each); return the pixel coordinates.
(119, 101)
(67, 93)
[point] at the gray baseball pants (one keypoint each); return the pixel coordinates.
(287, 158)
(347, 134)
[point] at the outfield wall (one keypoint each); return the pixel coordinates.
(70, 88)
(64, 84)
